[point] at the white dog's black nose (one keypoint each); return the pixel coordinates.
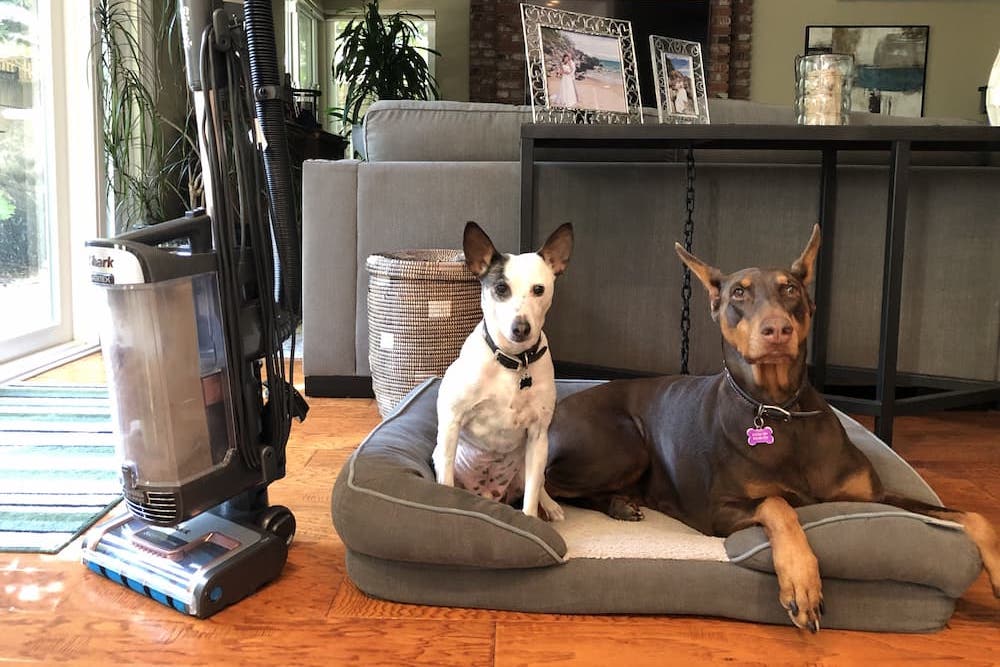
(520, 331)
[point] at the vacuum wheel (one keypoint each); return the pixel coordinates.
(279, 520)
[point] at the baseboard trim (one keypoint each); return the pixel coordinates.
(339, 386)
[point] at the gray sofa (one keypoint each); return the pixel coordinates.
(431, 166)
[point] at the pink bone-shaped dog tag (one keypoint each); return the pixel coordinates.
(756, 436)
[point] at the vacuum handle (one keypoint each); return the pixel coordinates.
(195, 16)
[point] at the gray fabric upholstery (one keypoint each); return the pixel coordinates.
(594, 586)
(435, 165)
(329, 260)
(485, 192)
(463, 131)
(413, 540)
(386, 503)
(873, 542)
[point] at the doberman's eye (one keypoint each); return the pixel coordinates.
(788, 289)
(501, 289)
(738, 293)
(538, 290)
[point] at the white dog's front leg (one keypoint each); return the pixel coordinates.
(447, 445)
(534, 479)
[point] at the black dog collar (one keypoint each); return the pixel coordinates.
(762, 410)
(520, 361)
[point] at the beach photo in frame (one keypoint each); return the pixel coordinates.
(581, 68)
(679, 79)
(890, 64)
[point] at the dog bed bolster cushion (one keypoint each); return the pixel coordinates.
(869, 541)
(387, 503)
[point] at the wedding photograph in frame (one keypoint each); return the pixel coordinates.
(581, 68)
(679, 80)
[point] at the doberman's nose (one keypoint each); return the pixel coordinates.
(776, 330)
(521, 330)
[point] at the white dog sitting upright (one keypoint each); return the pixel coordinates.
(496, 400)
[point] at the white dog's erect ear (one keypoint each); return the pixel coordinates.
(709, 276)
(804, 268)
(558, 247)
(479, 249)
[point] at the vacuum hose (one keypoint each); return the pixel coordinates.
(266, 82)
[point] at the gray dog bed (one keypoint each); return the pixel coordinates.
(412, 540)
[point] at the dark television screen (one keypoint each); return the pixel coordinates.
(681, 19)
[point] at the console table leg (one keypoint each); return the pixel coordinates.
(824, 269)
(527, 193)
(892, 281)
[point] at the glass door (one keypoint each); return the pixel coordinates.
(34, 290)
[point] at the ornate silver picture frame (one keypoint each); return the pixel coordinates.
(581, 68)
(679, 78)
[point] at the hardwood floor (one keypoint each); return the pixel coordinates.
(52, 610)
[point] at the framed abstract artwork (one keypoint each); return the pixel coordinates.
(890, 64)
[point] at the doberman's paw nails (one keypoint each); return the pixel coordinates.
(805, 608)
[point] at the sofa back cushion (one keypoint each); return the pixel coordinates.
(414, 131)
(438, 131)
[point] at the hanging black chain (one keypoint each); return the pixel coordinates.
(686, 286)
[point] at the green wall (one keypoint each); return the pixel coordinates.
(964, 38)
(452, 19)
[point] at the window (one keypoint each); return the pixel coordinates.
(302, 22)
(45, 98)
(425, 23)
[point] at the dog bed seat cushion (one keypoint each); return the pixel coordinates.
(409, 539)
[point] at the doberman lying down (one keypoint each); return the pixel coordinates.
(743, 447)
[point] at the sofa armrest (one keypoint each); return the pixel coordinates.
(329, 265)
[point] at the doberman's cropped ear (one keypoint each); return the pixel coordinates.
(479, 249)
(558, 247)
(804, 268)
(709, 276)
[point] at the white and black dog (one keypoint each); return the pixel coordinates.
(496, 400)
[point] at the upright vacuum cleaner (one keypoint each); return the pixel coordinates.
(196, 314)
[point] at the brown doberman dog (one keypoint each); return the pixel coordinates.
(736, 449)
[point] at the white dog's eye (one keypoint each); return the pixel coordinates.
(501, 290)
(538, 290)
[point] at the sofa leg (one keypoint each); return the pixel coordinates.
(339, 386)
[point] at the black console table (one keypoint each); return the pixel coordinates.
(648, 143)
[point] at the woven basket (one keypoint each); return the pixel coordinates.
(422, 305)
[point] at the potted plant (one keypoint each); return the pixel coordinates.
(150, 155)
(377, 58)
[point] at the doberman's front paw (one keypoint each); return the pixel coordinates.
(801, 592)
(623, 509)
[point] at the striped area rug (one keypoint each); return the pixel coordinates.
(58, 469)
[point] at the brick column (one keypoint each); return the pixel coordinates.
(720, 23)
(739, 49)
(496, 52)
(729, 37)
